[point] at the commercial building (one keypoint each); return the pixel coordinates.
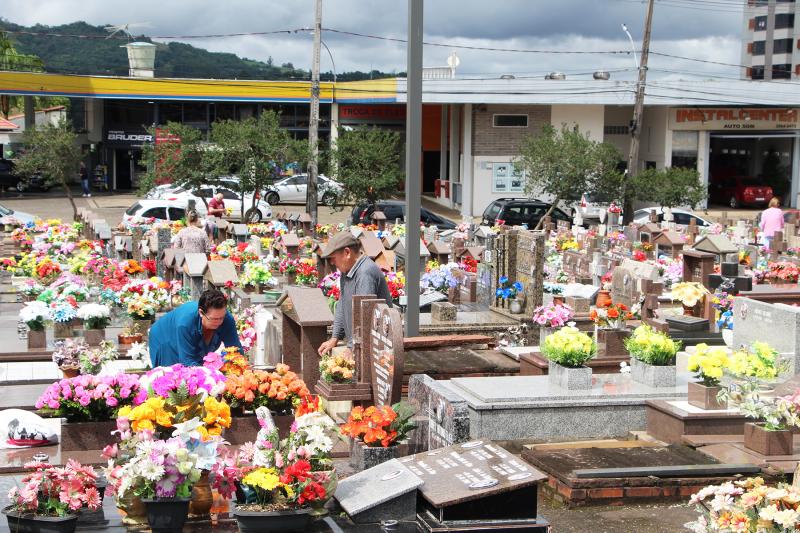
(770, 44)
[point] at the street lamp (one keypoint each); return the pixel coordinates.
(633, 46)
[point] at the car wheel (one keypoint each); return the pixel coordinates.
(252, 216)
(734, 203)
(328, 198)
(272, 198)
(21, 186)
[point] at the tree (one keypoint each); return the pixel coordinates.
(669, 187)
(565, 164)
(367, 163)
(10, 59)
(52, 151)
(255, 150)
(175, 157)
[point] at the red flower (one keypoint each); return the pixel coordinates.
(242, 246)
(312, 492)
(298, 471)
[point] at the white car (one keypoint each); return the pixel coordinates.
(232, 199)
(293, 189)
(679, 216)
(19, 215)
(163, 210)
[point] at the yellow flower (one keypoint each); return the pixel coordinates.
(263, 478)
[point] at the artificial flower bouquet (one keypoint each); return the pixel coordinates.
(36, 315)
(783, 272)
(280, 391)
(89, 398)
(256, 274)
(307, 273)
(140, 352)
(759, 362)
(288, 266)
(379, 426)
(91, 360)
(773, 413)
(709, 363)
(652, 347)
(508, 291)
(330, 288)
(67, 353)
(553, 316)
(469, 264)
(62, 312)
(396, 282)
(746, 505)
(246, 326)
(95, 316)
(442, 278)
(689, 293)
(569, 347)
(142, 306)
(338, 368)
(31, 288)
(611, 316)
(230, 362)
(55, 491)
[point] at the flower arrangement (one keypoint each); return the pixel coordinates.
(288, 266)
(612, 316)
(569, 347)
(722, 301)
(644, 246)
(614, 208)
(230, 362)
(553, 316)
(47, 270)
(256, 273)
(689, 293)
(783, 271)
(141, 353)
(744, 258)
(553, 288)
(62, 312)
(761, 362)
(95, 316)
(337, 368)
(508, 291)
(396, 281)
(67, 353)
(131, 267)
(307, 273)
(36, 315)
(330, 285)
(746, 505)
(56, 491)
(639, 255)
(89, 398)
(379, 426)
(441, 278)
(280, 391)
(709, 363)
(246, 326)
(469, 264)
(31, 288)
(652, 347)
(566, 241)
(775, 414)
(91, 361)
(142, 306)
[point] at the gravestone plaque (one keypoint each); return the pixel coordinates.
(385, 350)
(476, 481)
(221, 271)
(623, 287)
(384, 492)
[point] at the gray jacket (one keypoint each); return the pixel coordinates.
(364, 278)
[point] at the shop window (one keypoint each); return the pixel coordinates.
(684, 149)
(759, 48)
(783, 46)
(224, 111)
(510, 121)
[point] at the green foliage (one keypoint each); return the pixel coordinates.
(669, 187)
(53, 151)
(367, 163)
(176, 162)
(403, 424)
(565, 163)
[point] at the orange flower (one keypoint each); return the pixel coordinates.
(613, 313)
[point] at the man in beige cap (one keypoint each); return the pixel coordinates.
(360, 275)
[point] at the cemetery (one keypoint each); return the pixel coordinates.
(600, 365)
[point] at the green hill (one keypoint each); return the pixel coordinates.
(101, 56)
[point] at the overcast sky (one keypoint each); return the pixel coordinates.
(694, 28)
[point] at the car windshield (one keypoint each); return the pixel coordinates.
(492, 211)
(133, 209)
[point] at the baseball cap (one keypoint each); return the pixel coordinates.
(342, 239)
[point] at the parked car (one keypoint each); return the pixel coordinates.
(591, 207)
(293, 189)
(737, 191)
(19, 215)
(10, 180)
(680, 216)
(161, 210)
(516, 211)
(232, 199)
(394, 209)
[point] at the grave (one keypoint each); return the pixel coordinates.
(170, 254)
(379, 219)
(671, 421)
(698, 266)
(290, 244)
(220, 272)
(383, 347)
(440, 251)
(669, 243)
(649, 231)
(718, 245)
(755, 319)
(384, 492)
(474, 486)
(194, 268)
(238, 232)
(306, 318)
(304, 220)
(442, 415)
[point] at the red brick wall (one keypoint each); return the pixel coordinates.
(488, 140)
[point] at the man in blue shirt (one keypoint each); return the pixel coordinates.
(187, 334)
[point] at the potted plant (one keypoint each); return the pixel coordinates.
(708, 364)
(96, 318)
(376, 432)
(508, 291)
(36, 316)
(256, 275)
(689, 293)
(337, 369)
(88, 404)
(140, 353)
(550, 317)
(652, 357)
(67, 356)
(130, 334)
(611, 328)
(52, 497)
(63, 313)
(760, 362)
(92, 359)
(782, 273)
(567, 351)
(142, 311)
(307, 274)
(772, 433)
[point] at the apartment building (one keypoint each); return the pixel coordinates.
(771, 40)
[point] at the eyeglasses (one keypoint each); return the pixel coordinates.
(212, 319)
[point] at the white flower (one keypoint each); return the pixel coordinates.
(151, 471)
(769, 512)
(786, 518)
(721, 502)
(624, 368)
(139, 352)
(188, 430)
(88, 311)
(34, 311)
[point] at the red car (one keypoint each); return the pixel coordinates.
(739, 191)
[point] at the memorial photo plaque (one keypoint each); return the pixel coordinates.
(385, 352)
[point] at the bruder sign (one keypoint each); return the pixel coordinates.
(734, 118)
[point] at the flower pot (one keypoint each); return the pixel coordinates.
(134, 509)
(257, 522)
(611, 342)
(29, 523)
(37, 339)
(652, 375)
(558, 299)
(86, 435)
(129, 339)
(202, 499)
(603, 298)
(727, 337)
(70, 372)
(167, 515)
(765, 442)
(544, 331)
(363, 457)
(516, 306)
(94, 337)
(579, 378)
(705, 397)
(62, 330)
(143, 326)
(318, 506)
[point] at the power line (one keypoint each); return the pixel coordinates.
(124, 38)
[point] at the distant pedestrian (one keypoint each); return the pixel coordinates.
(84, 175)
(192, 238)
(771, 221)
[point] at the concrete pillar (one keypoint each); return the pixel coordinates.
(452, 173)
(795, 175)
(703, 145)
(30, 112)
(334, 132)
(466, 182)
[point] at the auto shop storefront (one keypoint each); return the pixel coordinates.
(725, 143)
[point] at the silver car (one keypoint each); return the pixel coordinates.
(293, 189)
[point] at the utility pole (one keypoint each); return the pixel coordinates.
(413, 163)
(313, 129)
(638, 108)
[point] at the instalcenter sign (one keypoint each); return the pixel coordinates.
(734, 118)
